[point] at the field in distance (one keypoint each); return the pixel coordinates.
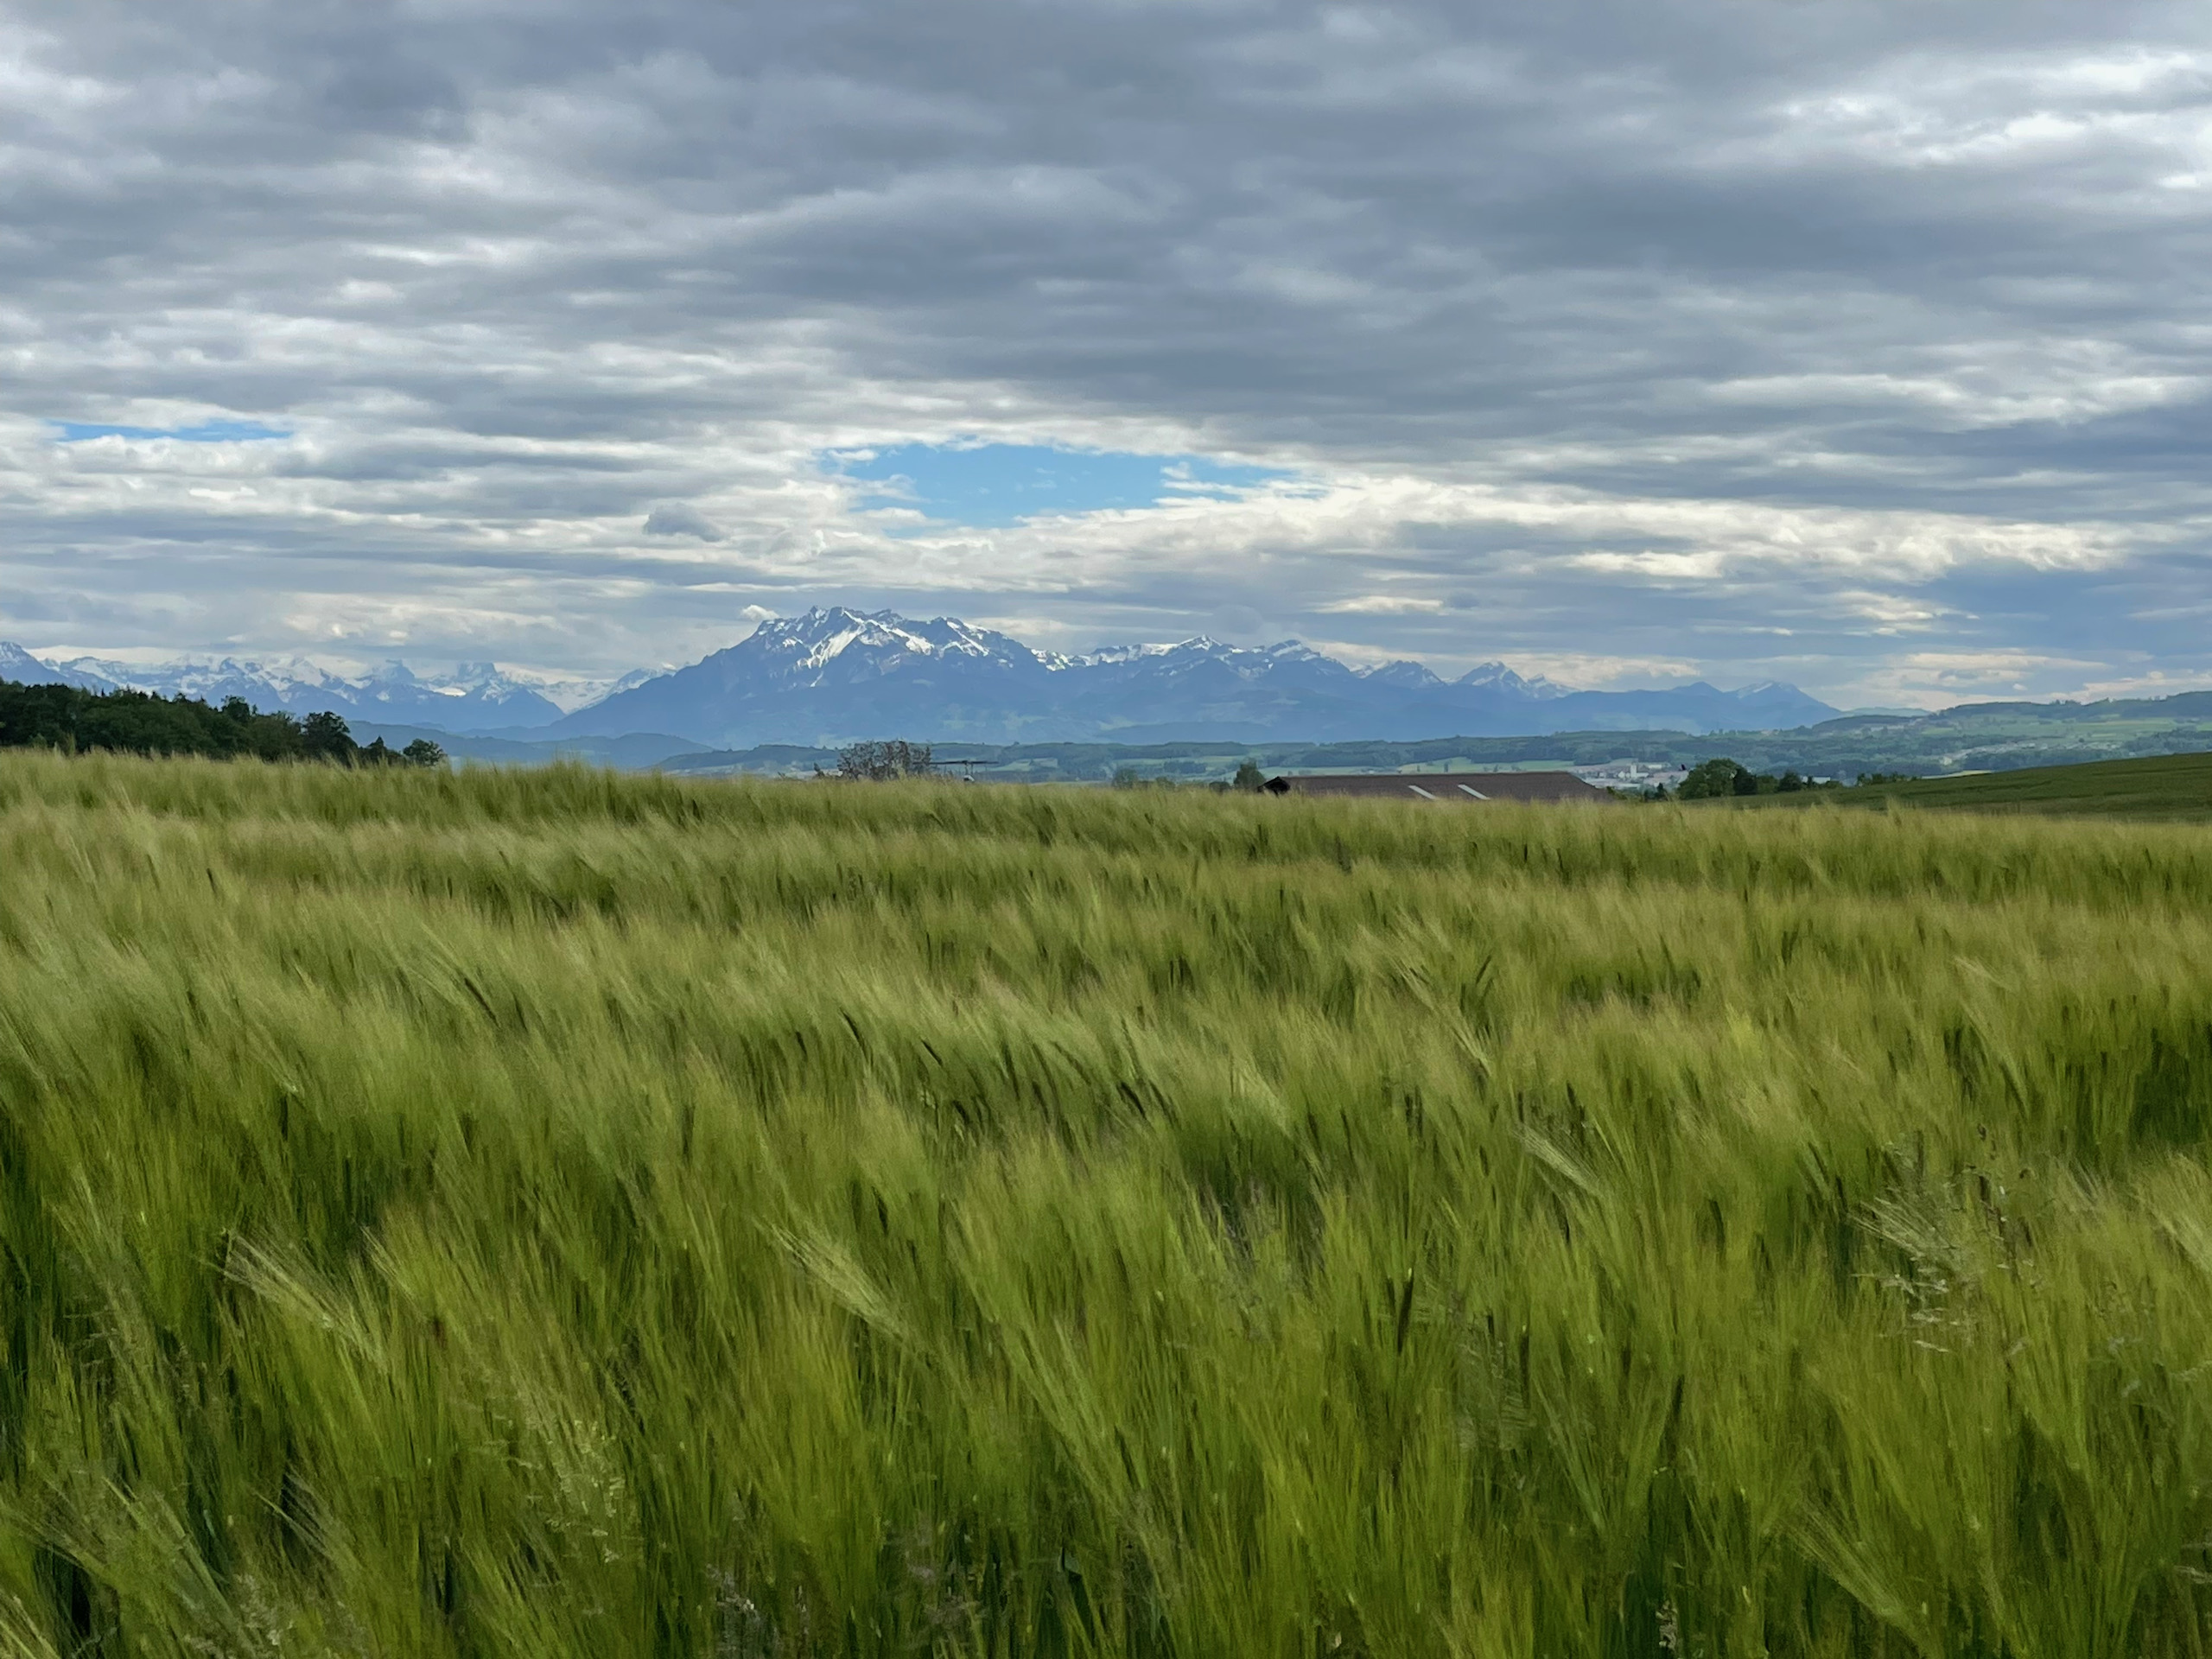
(544, 1212)
(2170, 788)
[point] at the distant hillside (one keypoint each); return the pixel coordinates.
(1982, 737)
(632, 752)
(834, 676)
(2174, 786)
(1840, 749)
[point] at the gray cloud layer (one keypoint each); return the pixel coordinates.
(1858, 345)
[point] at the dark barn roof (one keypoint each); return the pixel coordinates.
(1463, 788)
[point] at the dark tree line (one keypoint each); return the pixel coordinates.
(139, 722)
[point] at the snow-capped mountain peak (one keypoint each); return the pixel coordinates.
(1403, 672)
(570, 695)
(1497, 677)
(820, 637)
(1106, 656)
(19, 665)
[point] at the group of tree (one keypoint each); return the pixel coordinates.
(326, 736)
(140, 722)
(1710, 779)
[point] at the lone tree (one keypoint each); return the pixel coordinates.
(1249, 775)
(880, 762)
(324, 736)
(1718, 776)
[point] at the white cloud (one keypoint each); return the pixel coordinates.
(1383, 605)
(1755, 341)
(1935, 679)
(1598, 670)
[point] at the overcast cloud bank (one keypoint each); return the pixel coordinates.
(1857, 346)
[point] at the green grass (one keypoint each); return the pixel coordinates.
(540, 1213)
(2174, 788)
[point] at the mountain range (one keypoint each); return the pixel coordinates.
(477, 697)
(834, 674)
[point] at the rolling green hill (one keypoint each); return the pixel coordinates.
(1997, 735)
(2171, 787)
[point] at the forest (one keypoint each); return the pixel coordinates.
(140, 722)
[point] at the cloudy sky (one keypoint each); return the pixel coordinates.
(1861, 345)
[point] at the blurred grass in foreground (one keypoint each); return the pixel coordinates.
(542, 1213)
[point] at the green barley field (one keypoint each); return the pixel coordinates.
(545, 1213)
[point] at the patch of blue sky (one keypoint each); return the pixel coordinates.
(205, 432)
(994, 486)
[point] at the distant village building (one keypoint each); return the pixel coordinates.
(1461, 788)
(1638, 777)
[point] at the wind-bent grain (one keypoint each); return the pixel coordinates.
(542, 1213)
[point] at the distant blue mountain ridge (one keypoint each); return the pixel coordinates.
(476, 697)
(834, 674)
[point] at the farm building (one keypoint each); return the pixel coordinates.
(1465, 788)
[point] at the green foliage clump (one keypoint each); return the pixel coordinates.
(882, 762)
(1717, 777)
(540, 1213)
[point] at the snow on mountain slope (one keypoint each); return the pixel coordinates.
(1498, 676)
(19, 665)
(477, 697)
(570, 695)
(814, 642)
(834, 674)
